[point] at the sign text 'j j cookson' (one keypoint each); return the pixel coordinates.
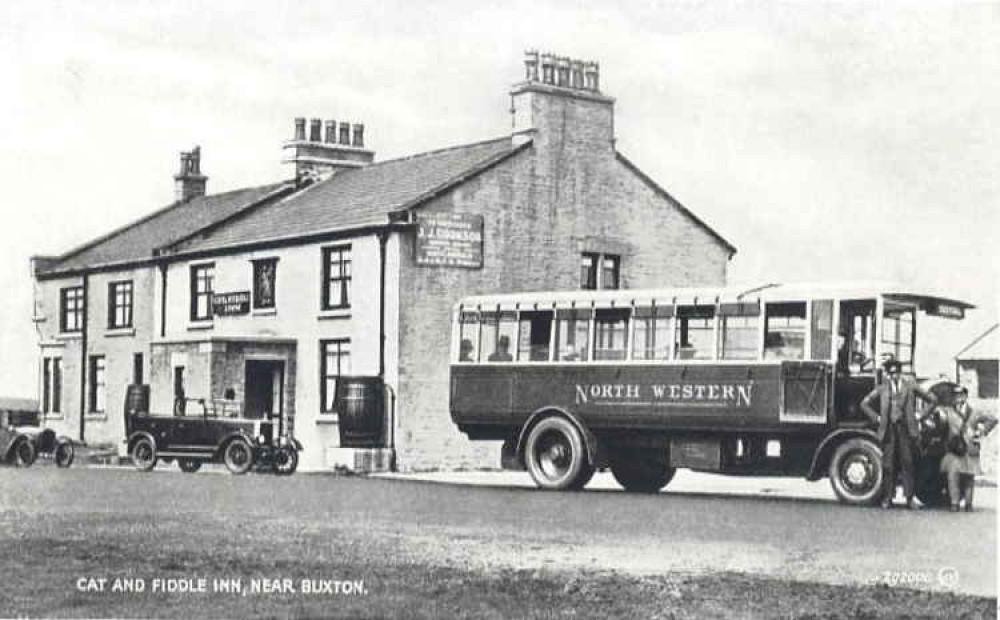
(718, 394)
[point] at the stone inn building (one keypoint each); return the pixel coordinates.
(266, 296)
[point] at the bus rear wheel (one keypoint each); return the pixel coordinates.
(641, 473)
(556, 455)
(856, 472)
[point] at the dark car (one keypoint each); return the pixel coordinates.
(202, 431)
(21, 444)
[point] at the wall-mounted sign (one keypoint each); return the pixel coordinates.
(450, 240)
(230, 304)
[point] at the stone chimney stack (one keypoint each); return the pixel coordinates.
(560, 104)
(190, 182)
(328, 149)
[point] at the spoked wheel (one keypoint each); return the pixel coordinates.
(856, 472)
(286, 461)
(144, 454)
(189, 466)
(641, 472)
(25, 453)
(64, 453)
(238, 456)
(556, 456)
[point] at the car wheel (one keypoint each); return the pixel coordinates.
(286, 461)
(238, 456)
(64, 454)
(24, 453)
(641, 473)
(144, 454)
(856, 472)
(189, 466)
(556, 456)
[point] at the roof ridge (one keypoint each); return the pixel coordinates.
(978, 339)
(145, 218)
(434, 152)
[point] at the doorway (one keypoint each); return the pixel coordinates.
(265, 380)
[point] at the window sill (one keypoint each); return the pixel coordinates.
(264, 312)
(68, 336)
(328, 418)
(96, 415)
(118, 332)
(200, 325)
(336, 313)
(46, 417)
(39, 319)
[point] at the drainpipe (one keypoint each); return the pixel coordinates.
(383, 240)
(163, 300)
(83, 358)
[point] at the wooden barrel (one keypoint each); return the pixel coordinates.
(360, 405)
(136, 399)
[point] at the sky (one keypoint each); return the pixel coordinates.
(825, 141)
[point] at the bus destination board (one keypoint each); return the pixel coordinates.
(450, 240)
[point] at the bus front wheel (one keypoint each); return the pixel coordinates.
(556, 455)
(856, 472)
(641, 473)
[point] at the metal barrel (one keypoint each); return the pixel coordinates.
(360, 405)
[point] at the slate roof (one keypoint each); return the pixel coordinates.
(354, 198)
(136, 241)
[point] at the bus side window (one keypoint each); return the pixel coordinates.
(536, 329)
(611, 333)
(651, 333)
(822, 329)
(468, 333)
(785, 331)
(499, 329)
(694, 334)
(739, 331)
(572, 335)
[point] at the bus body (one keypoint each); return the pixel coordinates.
(763, 381)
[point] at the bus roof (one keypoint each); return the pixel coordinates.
(928, 301)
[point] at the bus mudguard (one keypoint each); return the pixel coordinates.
(821, 458)
(136, 436)
(593, 452)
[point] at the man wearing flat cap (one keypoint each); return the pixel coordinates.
(898, 430)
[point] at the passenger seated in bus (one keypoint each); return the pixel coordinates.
(502, 354)
(465, 351)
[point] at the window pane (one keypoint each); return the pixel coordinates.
(535, 333)
(785, 331)
(652, 335)
(56, 384)
(573, 335)
(468, 347)
(694, 334)
(498, 335)
(610, 336)
(739, 337)
(609, 274)
(822, 329)
(588, 271)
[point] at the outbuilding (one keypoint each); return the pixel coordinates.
(267, 297)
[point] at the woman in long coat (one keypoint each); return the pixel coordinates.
(961, 470)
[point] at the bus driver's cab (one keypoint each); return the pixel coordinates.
(856, 366)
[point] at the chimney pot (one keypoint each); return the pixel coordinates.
(548, 69)
(190, 183)
(576, 74)
(300, 129)
(315, 130)
(331, 132)
(562, 64)
(359, 135)
(345, 133)
(531, 65)
(591, 74)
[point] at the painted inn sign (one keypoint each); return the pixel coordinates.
(450, 240)
(231, 304)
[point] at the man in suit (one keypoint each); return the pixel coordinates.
(898, 430)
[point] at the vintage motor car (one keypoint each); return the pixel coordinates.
(21, 444)
(200, 431)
